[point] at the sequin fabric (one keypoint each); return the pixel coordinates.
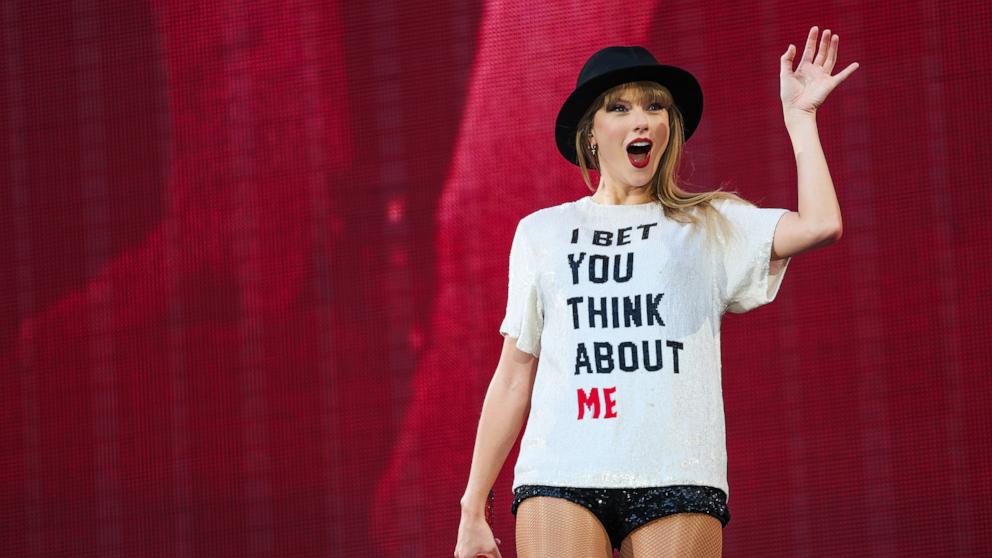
(621, 510)
(622, 305)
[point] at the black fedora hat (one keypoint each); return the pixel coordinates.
(613, 66)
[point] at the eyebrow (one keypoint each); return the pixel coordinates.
(647, 98)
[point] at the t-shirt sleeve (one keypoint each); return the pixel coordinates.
(524, 318)
(749, 278)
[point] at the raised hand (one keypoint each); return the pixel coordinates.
(805, 89)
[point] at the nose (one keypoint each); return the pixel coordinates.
(640, 119)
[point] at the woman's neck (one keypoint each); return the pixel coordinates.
(622, 195)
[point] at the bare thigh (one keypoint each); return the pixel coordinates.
(554, 527)
(682, 535)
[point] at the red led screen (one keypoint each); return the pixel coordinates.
(254, 260)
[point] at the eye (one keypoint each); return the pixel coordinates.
(656, 105)
(617, 107)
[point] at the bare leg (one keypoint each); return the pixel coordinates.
(682, 535)
(549, 527)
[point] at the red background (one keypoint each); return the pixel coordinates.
(254, 262)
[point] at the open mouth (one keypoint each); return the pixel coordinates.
(639, 153)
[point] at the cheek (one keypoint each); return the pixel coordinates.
(664, 132)
(605, 131)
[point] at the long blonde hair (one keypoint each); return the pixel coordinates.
(678, 204)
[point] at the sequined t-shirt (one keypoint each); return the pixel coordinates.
(622, 305)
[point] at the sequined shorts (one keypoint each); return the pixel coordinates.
(621, 510)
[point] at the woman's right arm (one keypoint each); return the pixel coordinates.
(504, 409)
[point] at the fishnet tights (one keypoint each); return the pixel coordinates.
(549, 527)
(553, 527)
(694, 535)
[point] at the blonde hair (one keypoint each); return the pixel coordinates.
(678, 204)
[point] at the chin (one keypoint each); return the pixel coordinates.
(644, 176)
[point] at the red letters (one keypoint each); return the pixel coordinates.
(610, 403)
(591, 402)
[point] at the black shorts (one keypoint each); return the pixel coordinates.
(621, 510)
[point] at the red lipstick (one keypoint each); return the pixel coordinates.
(639, 152)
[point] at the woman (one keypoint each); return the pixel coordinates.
(621, 294)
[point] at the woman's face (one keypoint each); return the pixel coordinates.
(631, 137)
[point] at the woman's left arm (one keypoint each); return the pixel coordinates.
(818, 221)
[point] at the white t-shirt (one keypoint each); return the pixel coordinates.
(623, 307)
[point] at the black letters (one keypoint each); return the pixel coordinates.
(574, 264)
(616, 268)
(574, 303)
(604, 271)
(614, 312)
(653, 315)
(599, 267)
(582, 359)
(593, 312)
(676, 346)
(647, 354)
(604, 357)
(602, 238)
(646, 228)
(627, 364)
(605, 312)
(631, 311)
(622, 237)
(628, 356)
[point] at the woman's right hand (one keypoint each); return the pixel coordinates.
(475, 538)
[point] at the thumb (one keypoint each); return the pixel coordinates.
(786, 59)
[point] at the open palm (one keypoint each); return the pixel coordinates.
(807, 87)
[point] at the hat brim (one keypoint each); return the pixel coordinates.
(687, 93)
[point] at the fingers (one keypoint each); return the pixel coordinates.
(821, 53)
(810, 45)
(845, 72)
(825, 55)
(828, 65)
(786, 59)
